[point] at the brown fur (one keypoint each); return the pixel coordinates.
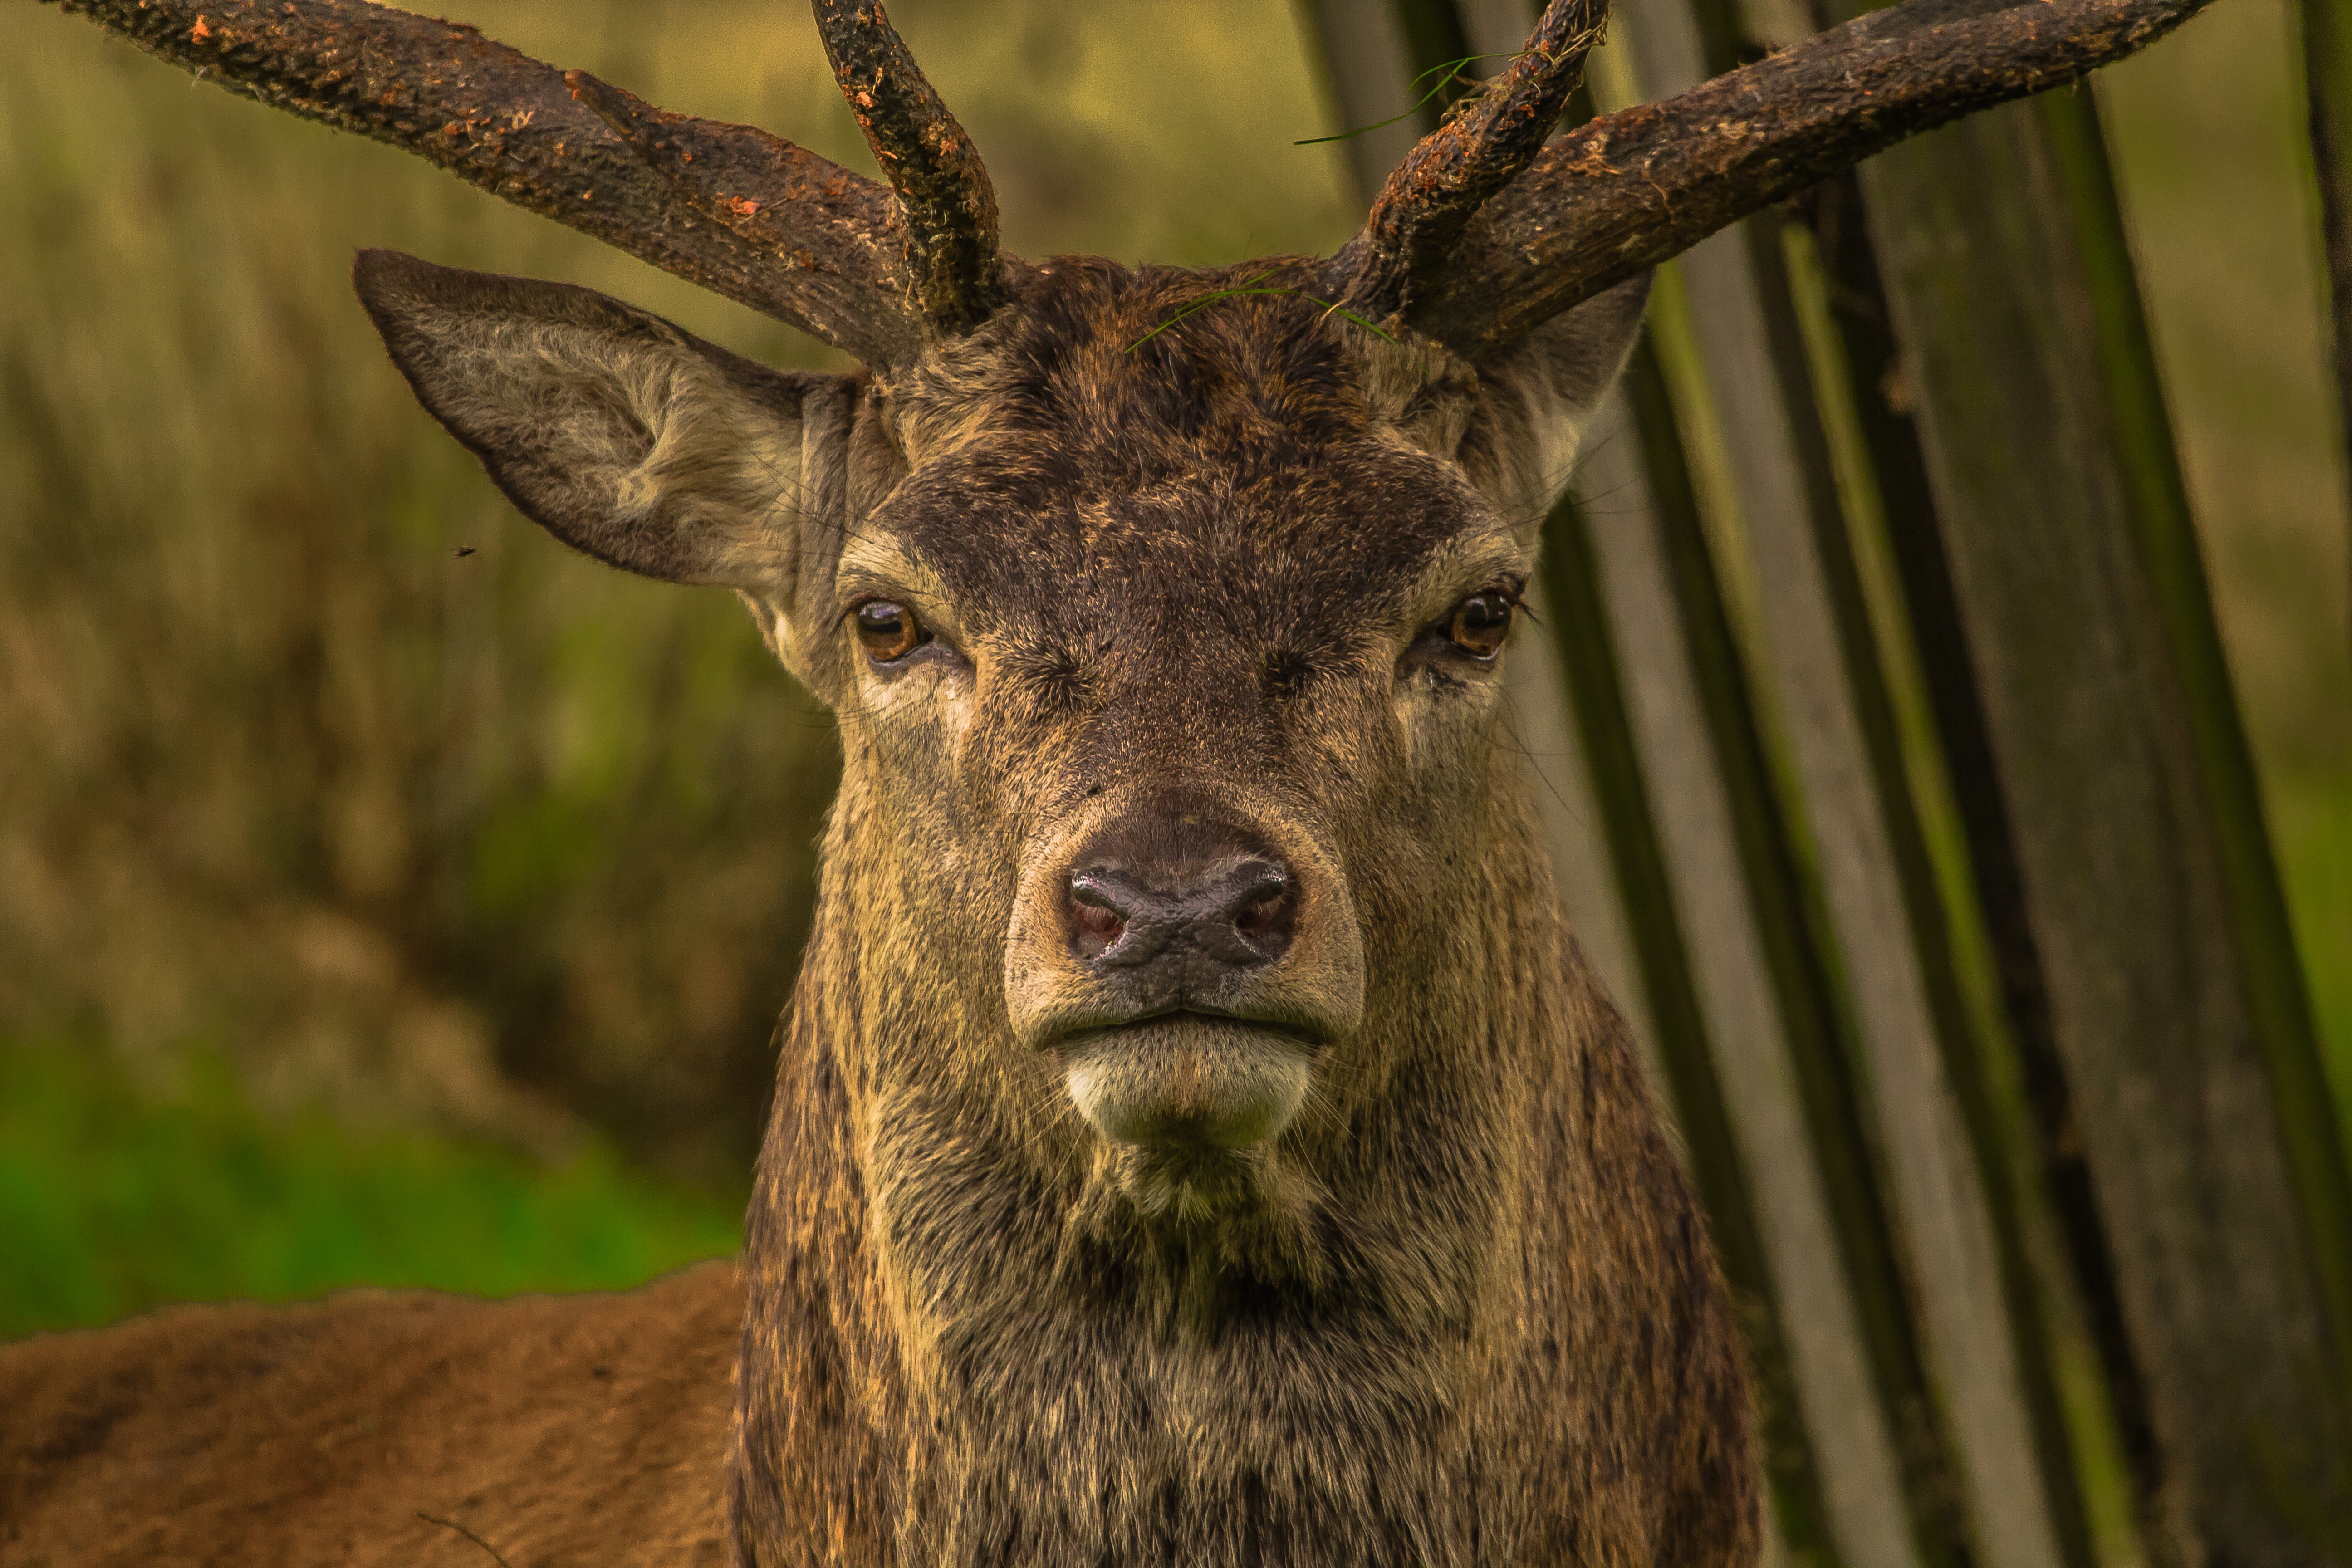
(1462, 1310)
(572, 1430)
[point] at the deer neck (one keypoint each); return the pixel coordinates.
(954, 1337)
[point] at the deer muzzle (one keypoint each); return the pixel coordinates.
(1189, 965)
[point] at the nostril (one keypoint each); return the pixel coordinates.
(1269, 916)
(1265, 913)
(1097, 923)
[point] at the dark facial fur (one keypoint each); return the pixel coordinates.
(1185, 599)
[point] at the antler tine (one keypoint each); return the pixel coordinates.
(1629, 190)
(1450, 173)
(803, 239)
(944, 193)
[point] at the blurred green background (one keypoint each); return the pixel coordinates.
(387, 895)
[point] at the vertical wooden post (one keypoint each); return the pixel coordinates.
(1666, 618)
(1933, 1253)
(1592, 564)
(1972, 1305)
(2174, 998)
(1846, 979)
(1867, 357)
(1767, 984)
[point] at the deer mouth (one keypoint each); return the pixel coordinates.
(1190, 1079)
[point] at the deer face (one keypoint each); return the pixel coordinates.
(1168, 663)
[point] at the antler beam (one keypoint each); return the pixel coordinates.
(1630, 189)
(763, 222)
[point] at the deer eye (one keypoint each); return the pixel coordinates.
(889, 632)
(1480, 623)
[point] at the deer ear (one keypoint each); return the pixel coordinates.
(1538, 398)
(624, 437)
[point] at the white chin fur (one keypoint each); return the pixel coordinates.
(1192, 1083)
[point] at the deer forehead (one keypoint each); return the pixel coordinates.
(1347, 537)
(1099, 452)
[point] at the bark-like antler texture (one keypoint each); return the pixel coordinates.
(943, 187)
(1483, 234)
(1453, 171)
(805, 240)
(1626, 191)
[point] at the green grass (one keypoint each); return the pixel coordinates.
(112, 1202)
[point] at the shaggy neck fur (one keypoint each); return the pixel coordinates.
(1474, 1321)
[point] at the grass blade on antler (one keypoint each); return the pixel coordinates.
(944, 193)
(1630, 189)
(509, 123)
(1450, 173)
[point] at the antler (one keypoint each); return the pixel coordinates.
(1482, 235)
(1630, 189)
(1485, 143)
(745, 214)
(949, 206)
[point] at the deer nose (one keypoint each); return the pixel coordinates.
(1183, 930)
(1181, 938)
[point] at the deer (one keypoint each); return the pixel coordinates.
(1197, 1137)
